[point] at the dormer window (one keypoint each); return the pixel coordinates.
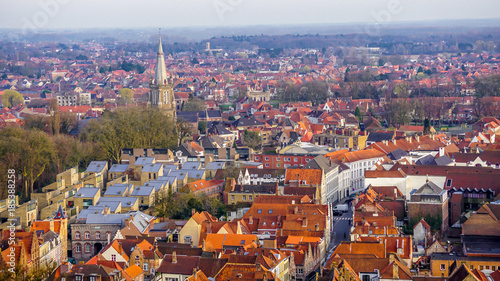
(448, 183)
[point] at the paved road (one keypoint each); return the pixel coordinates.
(341, 226)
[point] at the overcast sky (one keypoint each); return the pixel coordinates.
(176, 13)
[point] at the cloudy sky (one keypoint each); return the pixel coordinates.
(69, 14)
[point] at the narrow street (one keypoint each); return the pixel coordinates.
(341, 226)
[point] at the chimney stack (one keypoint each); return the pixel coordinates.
(174, 257)
(395, 273)
(250, 220)
(304, 222)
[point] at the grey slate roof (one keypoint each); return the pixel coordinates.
(141, 161)
(426, 160)
(118, 168)
(125, 201)
(378, 137)
(87, 192)
(215, 165)
(117, 189)
(443, 160)
(179, 174)
(152, 168)
(191, 166)
(321, 162)
(397, 154)
(96, 167)
(170, 167)
(142, 191)
(168, 179)
(157, 184)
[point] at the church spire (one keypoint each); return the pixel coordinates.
(161, 69)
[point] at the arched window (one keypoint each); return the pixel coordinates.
(97, 235)
(87, 235)
(77, 236)
(78, 248)
(87, 248)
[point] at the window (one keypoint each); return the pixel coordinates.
(487, 267)
(443, 266)
(366, 277)
(267, 158)
(145, 267)
(250, 197)
(278, 158)
(97, 236)
(494, 268)
(278, 165)
(471, 266)
(295, 159)
(187, 239)
(232, 197)
(136, 257)
(256, 158)
(92, 278)
(113, 257)
(270, 211)
(481, 267)
(77, 235)
(244, 197)
(300, 270)
(267, 165)
(78, 248)
(87, 235)
(78, 278)
(448, 183)
(259, 211)
(87, 248)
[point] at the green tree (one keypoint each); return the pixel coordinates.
(131, 127)
(12, 98)
(196, 104)
(202, 126)
(195, 61)
(251, 139)
(397, 112)
(487, 86)
(102, 70)
(55, 117)
(357, 112)
(402, 90)
(127, 95)
(427, 126)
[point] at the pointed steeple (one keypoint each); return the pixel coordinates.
(60, 214)
(161, 69)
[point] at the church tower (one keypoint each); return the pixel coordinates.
(161, 92)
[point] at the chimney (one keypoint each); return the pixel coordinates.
(209, 227)
(304, 222)
(391, 257)
(395, 273)
(295, 210)
(174, 257)
(52, 225)
(250, 220)
(394, 141)
(441, 151)
(316, 227)
(193, 211)
(109, 238)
